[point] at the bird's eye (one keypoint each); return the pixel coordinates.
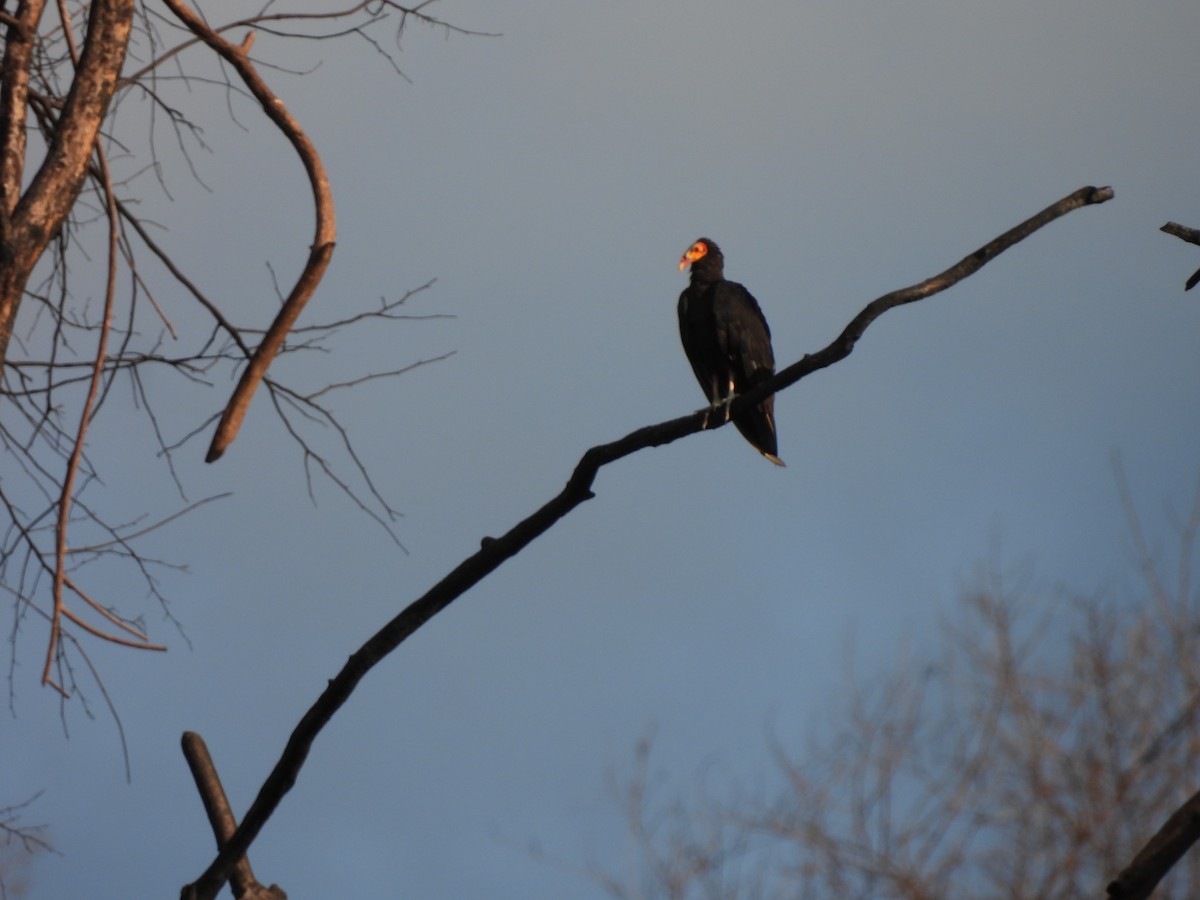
(699, 249)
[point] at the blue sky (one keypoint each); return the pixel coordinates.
(549, 179)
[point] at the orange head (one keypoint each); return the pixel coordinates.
(698, 250)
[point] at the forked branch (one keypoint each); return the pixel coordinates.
(60, 610)
(1192, 236)
(220, 817)
(494, 551)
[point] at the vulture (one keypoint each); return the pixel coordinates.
(728, 343)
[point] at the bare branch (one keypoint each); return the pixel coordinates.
(323, 239)
(31, 222)
(372, 376)
(495, 551)
(30, 836)
(96, 548)
(14, 91)
(68, 485)
(1192, 236)
(220, 817)
(1138, 880)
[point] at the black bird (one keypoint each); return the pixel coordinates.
(728, 343)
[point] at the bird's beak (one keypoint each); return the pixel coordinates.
(684, 262)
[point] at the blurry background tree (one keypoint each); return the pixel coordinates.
(20, 841)
(1056, 732)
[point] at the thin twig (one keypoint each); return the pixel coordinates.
(68, 487)
(97, 548)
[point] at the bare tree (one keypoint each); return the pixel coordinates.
(1052, 736)
(97, 103)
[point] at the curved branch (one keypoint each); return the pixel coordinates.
(494, 551)
(841, 347)
(237, 55)
(85, 419)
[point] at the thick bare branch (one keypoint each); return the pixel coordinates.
(1191, 235)
(14, 93)
(33, 219)
(54, 188)
(495, 551)
(1138, 880)
(220, 817)
(323, 240)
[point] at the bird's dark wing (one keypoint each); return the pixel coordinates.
(697, 331)
(743, 336)
(745, 358)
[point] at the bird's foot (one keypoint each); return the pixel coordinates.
(721, 407)
(724, 405)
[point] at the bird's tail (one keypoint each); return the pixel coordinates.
(758, 427)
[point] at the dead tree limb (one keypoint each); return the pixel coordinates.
(1192, 236)
(29, 219)
(238, 56)
(220, 817)
(1138, 880)
(494, 551)
(68, 484)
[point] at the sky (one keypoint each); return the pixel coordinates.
(549, 178)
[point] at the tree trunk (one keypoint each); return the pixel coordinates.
(29, 220)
